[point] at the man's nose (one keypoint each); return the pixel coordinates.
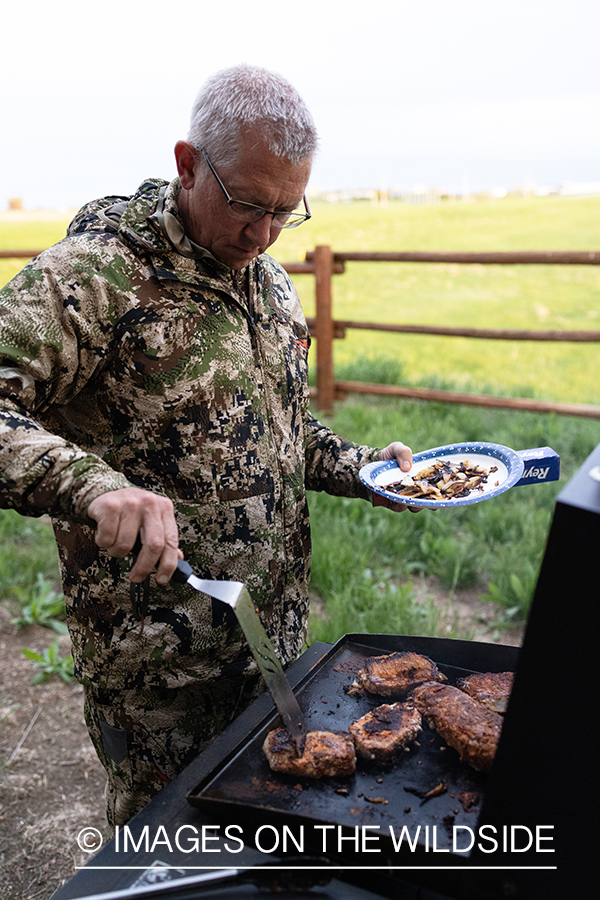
(262, 232)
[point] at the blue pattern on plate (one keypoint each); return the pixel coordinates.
(513, 462)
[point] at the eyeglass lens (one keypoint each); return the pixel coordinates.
(248, 213)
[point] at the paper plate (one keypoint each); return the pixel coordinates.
(376, 476)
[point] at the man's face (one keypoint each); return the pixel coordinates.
(258, 177)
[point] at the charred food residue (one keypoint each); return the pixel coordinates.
(444, 480)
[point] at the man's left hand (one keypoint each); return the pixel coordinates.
(403, 456)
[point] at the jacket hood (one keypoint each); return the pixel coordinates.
(129, 217)
(149, 221)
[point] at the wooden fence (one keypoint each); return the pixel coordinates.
(323, 263)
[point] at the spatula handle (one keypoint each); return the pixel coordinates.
(182, 572)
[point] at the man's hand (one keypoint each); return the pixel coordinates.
(123, 515)
(403, 456)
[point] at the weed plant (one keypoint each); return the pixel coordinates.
(50, 663)
(46, 606)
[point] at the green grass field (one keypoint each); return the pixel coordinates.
(524, 297)
(535, 297)
(366, 561)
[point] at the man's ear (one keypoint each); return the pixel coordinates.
(186, 159)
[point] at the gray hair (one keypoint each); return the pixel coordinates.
(246, 97)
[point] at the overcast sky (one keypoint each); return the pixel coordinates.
(441, 92)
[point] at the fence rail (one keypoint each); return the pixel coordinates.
(502, 334)
(511, 257)
(19, 254)
(323, 263)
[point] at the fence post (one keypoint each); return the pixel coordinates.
(323, 262)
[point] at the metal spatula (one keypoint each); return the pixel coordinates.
(235, 595)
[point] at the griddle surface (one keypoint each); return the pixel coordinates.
(243, 789)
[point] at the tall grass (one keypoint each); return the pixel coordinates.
(366, 559)
(27, 552)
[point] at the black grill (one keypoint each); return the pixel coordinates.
(544, 778)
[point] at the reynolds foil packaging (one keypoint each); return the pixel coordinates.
(541, 464)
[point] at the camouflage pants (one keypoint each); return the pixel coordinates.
(145, 737)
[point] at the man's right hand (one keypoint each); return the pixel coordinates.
(124, 514)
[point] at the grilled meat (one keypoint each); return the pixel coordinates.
(467, 726)
(492, 689)
(325, 754)
(397, 673)
(382, 733)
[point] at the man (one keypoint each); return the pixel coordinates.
(153, 384)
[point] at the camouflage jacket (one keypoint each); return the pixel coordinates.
(126, 362)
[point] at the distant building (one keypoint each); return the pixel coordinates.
(421, 194)
(581, 188)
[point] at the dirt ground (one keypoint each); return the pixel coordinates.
(51, 783)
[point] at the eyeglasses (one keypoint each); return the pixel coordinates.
(248, 212)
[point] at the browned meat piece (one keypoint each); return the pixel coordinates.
(395, 674)
(325, 753)
(492, 689)
(382, 733)
(464, 723)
